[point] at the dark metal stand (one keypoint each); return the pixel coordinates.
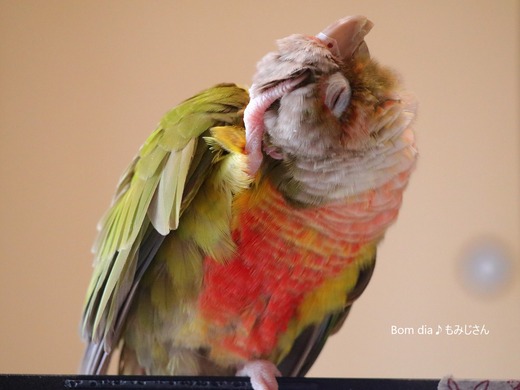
(55, 382)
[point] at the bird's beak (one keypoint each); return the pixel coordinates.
(345, 37)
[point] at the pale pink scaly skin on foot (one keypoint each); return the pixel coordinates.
(254, 119)
(263, 374)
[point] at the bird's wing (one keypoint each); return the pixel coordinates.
(311, 341)
(150, 199)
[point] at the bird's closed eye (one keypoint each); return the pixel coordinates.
(337, 94)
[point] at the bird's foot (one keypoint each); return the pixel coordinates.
(262, 373)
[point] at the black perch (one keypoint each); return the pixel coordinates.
(117, 382)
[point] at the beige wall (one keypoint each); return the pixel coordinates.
(83, 83)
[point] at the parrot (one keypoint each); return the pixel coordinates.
(247, 225)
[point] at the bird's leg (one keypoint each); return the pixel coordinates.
(263, 374)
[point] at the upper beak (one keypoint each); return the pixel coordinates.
(346, 36)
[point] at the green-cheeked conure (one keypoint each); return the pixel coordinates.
(247, 225)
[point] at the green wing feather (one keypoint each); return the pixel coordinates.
(150, 199)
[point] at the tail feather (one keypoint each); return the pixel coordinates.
(95, 360)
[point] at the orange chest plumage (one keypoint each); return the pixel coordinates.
(283, 253)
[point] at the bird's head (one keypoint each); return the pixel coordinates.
(323, 98)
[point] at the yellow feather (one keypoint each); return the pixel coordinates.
(328, 298)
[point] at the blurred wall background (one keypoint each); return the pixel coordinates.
(82, 84)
